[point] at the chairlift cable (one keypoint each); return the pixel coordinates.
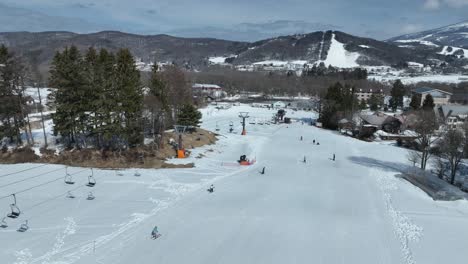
(39, 185)
(13, 173)
(32, 177)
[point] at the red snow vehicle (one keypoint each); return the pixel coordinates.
(244, 161)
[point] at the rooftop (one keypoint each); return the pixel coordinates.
(427, 90)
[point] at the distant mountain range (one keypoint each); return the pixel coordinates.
(331, 47)
(455, 35)
(254, 31)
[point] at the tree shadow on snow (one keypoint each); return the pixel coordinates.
(384, 165)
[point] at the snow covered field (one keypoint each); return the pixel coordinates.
(352, 210)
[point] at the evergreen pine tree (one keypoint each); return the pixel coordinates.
(428, 103)
(129, 95)
(415, 102)
(189, 116)
(397, 93)
(11, 105)
(66, 75)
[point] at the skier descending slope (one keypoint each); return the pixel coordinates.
(211, 189)
(333, 157)
(305, 161)
(155, 234)
(263, 171)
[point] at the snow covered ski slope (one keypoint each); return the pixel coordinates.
(351, 210)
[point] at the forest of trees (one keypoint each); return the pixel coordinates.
(13, 107)
(100, 99)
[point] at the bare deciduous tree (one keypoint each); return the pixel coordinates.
(413, 157)
(425, 127)
(451, 148)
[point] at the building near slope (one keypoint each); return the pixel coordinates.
(213, 90)
(279, 105)
(453, 116)
(381, 121)
(365, 94)
(440, 97)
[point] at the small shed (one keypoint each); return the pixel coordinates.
(279, 105)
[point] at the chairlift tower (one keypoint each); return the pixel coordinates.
(243, 115)
(180, 148)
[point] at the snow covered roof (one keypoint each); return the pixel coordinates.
(428, 90)
(206, 86)
(454, 110)
(377, 120)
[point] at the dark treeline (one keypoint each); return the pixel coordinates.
(13, 107)
(100, 99)
(279, 83)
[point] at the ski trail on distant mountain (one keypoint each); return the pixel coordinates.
(321, 46)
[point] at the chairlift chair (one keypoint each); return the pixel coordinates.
(68, 177)
(15, 211)
(90, 196)
(24, 227)
(70, 195)
(3, 224)
(91, 180)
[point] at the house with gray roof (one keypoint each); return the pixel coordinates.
(440, 97)
(453, 116)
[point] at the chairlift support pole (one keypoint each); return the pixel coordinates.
(42, 117)
(243, 115)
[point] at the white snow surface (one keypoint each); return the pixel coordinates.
(454, 49)
(338, 56)
(456, 78)
(353, 210)
(420, 41)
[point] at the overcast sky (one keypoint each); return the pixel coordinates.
(378, 19)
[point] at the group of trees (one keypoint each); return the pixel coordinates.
(339, 102)
(100, 99)
(13, 107)
(330, 71)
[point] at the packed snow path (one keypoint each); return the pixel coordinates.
(352, 210)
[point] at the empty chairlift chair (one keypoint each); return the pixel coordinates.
(91, 180)
(24, 227)
(68, 177)
(70, 195)
(90, 196)
(3, 224)
(15, 211)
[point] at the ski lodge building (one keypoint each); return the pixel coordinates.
(213, 90)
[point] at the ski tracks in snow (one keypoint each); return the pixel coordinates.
(403, 227)
(25, 256)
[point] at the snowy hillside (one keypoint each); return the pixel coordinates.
(338, 56)
(455, 35)
(352, 210)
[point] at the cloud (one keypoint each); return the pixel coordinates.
(436, 4)
(411, 28)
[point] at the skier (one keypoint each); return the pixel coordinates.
(313, 141)
(333, 156)
(155, 234)
(263, 171)
(211, 189)
(301, 138)
(305, 159)
(318, 143)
